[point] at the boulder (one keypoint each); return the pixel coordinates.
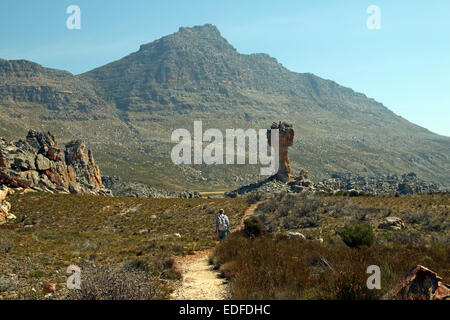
(298, 235)
(5, 206)
(42, 163)
(393, 223)
(24, 161)
(10, 216)
(142, 232)
(3, 192)
(5, 215)
(420, 283)
(13, 179)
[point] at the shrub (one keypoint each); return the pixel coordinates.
(254, 197)
(228, 270)
(353, 193)
(171, 274)
(168, 263)
(8, 283)
(352, 286)
(358, 234)
(137, 264)
(5, 245)
(253, 227)
(297, 269)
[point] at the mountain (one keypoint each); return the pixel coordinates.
(127, 110)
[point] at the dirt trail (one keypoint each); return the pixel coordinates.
(200, 280)
(247, 214)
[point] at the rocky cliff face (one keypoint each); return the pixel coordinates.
(38, 162)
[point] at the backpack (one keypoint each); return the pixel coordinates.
(223, 225)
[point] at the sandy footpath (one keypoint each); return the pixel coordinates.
(200, 281)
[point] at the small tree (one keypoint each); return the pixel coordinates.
(358, 234)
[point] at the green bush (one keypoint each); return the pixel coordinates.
(253, 227)
(358, 234)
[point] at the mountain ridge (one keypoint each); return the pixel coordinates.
(127, 109)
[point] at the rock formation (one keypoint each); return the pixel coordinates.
(385, 184)
(420, 283)
(5, 206)
(286, 139)
(302, 183)
(37, 162)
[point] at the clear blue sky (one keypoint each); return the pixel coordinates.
(405, 65)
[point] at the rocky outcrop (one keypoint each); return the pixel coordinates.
(283, 182)
(302, 183)
(5, 206)
(342, 183)
(141, 190)
(420, 283)
(83, 164)
(286, 140)
(407, 183)
(38, 162)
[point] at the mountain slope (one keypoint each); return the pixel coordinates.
(127, 110)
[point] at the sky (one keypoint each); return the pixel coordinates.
(405, 64)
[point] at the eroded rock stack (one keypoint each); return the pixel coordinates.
(286, 139)
(39, 163)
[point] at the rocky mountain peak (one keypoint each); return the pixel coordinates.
(198, 38)
(206, 29)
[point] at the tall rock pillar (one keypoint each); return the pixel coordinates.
(286, 139)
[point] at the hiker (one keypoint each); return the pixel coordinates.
(222, 225)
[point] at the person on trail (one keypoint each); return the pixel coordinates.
(222, 225)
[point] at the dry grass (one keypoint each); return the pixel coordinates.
(268, 268)
(274, 267)
(130, 234)
(427, 217)
(130, 237)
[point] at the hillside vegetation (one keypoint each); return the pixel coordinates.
(108, 238)
(282, 264)
(127, 248)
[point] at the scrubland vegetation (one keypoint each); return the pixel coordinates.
(124, 246)
(281, 268)
(343, 238)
